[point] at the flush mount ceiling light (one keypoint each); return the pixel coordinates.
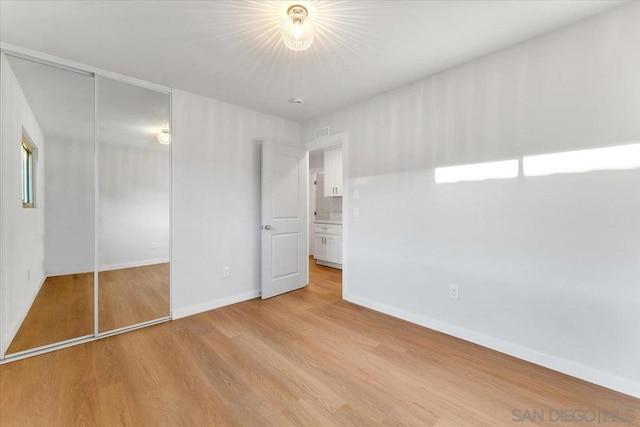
(164, 137)
(297, 28)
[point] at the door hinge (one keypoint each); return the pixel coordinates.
(315, 213)
(315, 182)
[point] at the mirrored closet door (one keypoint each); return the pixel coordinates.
(133, 204)
(48, 201)
(85, 179)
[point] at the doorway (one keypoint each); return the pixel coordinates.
(303, 234)
(325, 217)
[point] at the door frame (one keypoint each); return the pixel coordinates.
(312, 208)
(339, 139)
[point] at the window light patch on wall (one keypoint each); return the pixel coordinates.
(596, 159)
(477, 172)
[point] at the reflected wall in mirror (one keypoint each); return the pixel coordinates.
(48, 202)
(133, 204)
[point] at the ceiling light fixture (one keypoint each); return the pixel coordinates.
(297, 28)
(164, 137)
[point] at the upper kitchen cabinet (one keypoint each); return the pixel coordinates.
(333, 172)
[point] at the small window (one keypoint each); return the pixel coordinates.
(27, 174)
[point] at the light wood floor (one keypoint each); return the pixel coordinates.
(304, 358)
(63, 309)
(132, 295)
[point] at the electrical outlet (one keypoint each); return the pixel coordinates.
(356, 212)
(356, 193)
(454, 292)
(154, 245)
(226, 271)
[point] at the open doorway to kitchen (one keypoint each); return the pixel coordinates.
(326, 236)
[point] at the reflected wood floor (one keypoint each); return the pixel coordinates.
(132, 295)
(63, 309)
(304, 358)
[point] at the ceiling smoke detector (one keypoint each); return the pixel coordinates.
(297, 101)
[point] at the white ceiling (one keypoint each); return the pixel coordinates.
(62, 102)
(231, 51)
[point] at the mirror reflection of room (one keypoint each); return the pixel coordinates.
(47, 206)
(133, 205)
(51, 227)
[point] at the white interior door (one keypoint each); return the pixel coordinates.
(285, 172)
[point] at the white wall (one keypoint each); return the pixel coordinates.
(316, 159)
(134, 173)
(22, 229)
(216, 155)
(134, 206)
(69, 219)
(547, 267)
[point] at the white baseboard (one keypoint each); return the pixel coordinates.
(67, 272)
(23, 314)
(110, 267)
(595, 376)
(329, 264)
(133, 264)
(179, 313)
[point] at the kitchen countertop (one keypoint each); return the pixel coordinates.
(327, 221)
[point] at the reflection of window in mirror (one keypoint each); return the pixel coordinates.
(27, 174)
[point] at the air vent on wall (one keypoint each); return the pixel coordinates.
(322, 132)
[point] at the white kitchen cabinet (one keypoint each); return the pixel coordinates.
(327, 247)
(328, 244)
(333, 172)
(319, 251)
(331, 242)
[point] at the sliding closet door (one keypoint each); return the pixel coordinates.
(47, 206)
(133, 205)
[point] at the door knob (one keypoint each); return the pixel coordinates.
(267, 227)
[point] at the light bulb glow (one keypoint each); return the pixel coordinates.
(297, 29)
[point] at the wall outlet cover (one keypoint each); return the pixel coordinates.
(454, 292)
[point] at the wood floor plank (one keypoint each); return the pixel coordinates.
(63, 308)
(304, 358)
(132, 295)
